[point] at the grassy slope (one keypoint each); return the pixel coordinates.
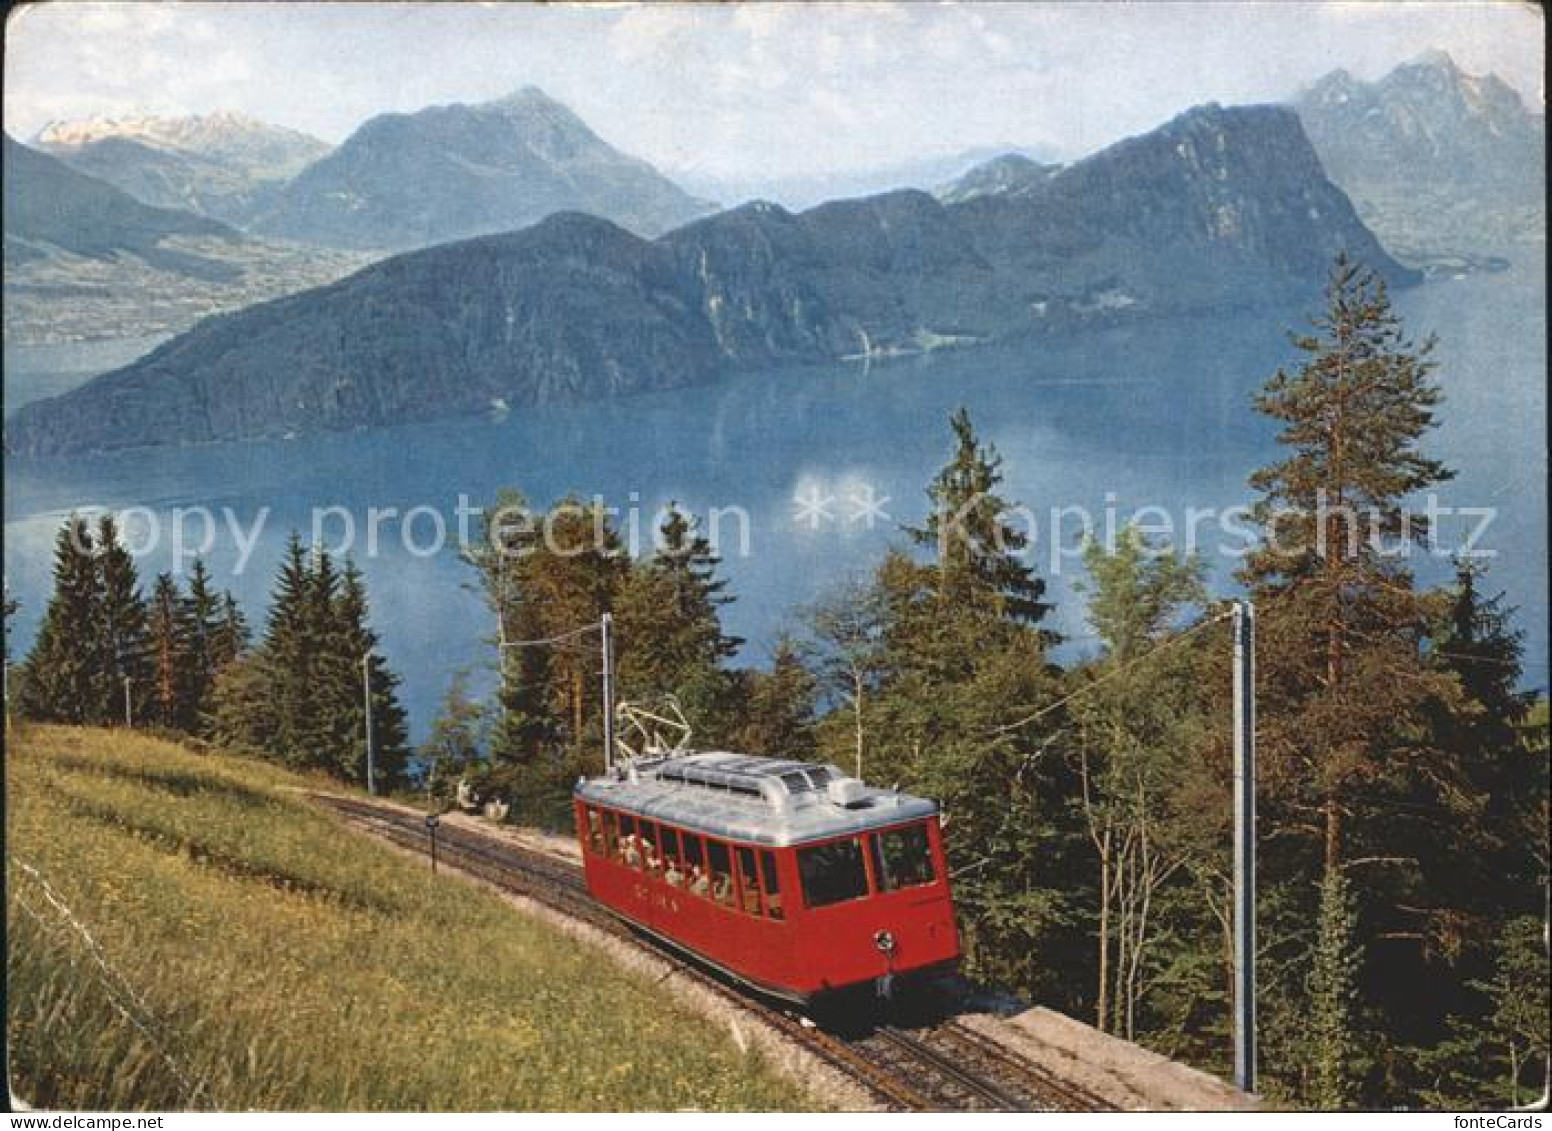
(247, 952)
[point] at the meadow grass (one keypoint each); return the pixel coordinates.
(185, 931)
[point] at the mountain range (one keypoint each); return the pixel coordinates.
(1440, 163)
(1217, 208)
(85, 259)
(221, 165)
(48, 204)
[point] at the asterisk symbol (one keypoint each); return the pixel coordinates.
(868, 506)
(813, 507)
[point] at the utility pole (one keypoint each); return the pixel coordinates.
(366, 703)
(129, 714)
(606, 627)
(1245, 846)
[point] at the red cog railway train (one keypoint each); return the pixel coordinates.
(790, 876)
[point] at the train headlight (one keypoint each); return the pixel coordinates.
(885, 941)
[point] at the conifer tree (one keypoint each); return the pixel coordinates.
(230, 639)
(525, 722)
(8, 609)
(976, 547)
(670, 628)
(1341, 621)
(200, 617)
(63, 678)
(127, 667)
(779, 706)
(350, 644)
(964, 714)
(287, 662)
(168, 652)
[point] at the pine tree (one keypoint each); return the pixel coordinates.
(127, 670)
(63, 678)
(1334, 1049)
(242, 707)
(1341, 621)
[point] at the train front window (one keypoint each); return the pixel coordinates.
(902, 858)
(832, 873)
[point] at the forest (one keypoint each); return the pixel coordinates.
(1403, 789)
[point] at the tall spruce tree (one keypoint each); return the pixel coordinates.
(200, 616)
(165, 627)
(670, 629)
(351, 646)
(126, 651)
(63, 678)
(230, 638)
(976, 547)
(525, 722)
(288, 659)
(962, 714)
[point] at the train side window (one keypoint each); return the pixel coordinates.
(902, 858)
(673, 866)
(720, 866)
(611, 834)
(772, 885)
(595, 831)
(748, 880)
(832, 873)
(651, 855)
(697, 879)
(630, 847)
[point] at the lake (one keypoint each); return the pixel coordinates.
(813, 471)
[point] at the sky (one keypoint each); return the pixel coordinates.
(742, 91)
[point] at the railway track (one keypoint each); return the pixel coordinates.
(942, 1066)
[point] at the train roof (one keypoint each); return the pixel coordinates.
(757, 800)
